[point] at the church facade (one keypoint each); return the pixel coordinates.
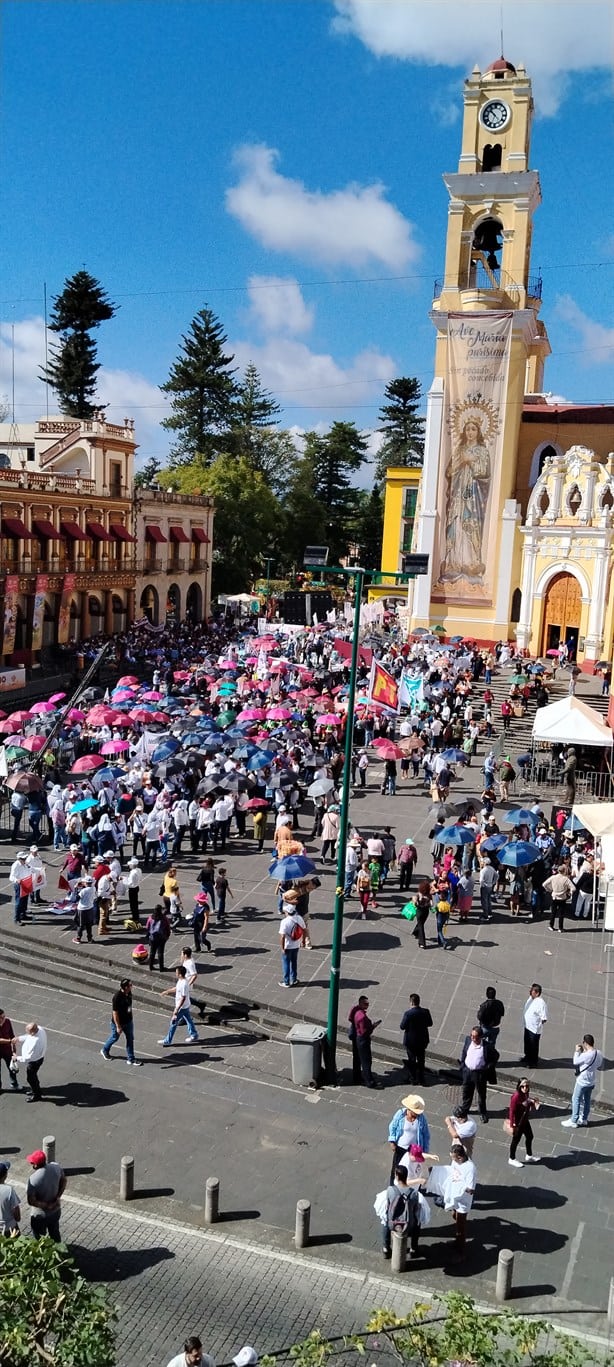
(515, 509)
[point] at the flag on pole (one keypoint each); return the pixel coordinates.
(411, 691)
(383, 690)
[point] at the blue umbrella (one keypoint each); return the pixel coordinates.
(244, 751)
(165, 749)
(110, 771)
(210, 744)
(493, 843)
(454, 756)
(260, 760)
(573, 824)
(191, 738)
(520, 816)
(455, 835)
(518, 853)
(84, 804)
(292, 867)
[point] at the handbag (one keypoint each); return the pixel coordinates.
(409, 911)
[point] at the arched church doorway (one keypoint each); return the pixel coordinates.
(562, 610)
(194, 603)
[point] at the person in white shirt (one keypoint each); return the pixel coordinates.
(37, 870)
(181, 1013)
(33, 1050)
(179, 813)
(192, 1355)
(292, 931)
(104, 888)
(453, 1187)
(133, 880)
(18, 871)
(460, 1126)
(535, 1015)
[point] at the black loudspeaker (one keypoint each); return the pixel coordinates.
(299, 609)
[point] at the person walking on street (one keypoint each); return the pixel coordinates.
(222, 891)
(33, 1050)
(7, 1033)
(292, 931)
(561, 891)
(10, 1207)
(422, 900)
(181, 1013)
(520, 1108)
(477, 1061)
(360, 1030)
(46, 1186)
(192, 1355)
(535, 1015)
(86, 908)
(416, 1023)
(488, 879)
(408, 1126)
(133, 880)
(489, 1016)
(18, 872)
(158, 929)
(586, 1060)
(407, 862)
(122, 1023)
(192, 978)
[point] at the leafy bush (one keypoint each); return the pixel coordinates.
(50, 1316)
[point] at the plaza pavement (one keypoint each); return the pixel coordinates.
(225, 1108)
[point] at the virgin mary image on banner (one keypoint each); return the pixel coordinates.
(473, 426)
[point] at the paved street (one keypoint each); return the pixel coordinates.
(226, 1108)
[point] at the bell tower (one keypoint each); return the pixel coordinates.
(490, 351)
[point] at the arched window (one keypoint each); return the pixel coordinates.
(491, 159)
(545, 454)
(541, 454)
(516, 606)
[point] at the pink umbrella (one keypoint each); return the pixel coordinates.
(279, 713)
(123, 721)
(141, 714)
(57, 697)
(33, 743)
(7, 727)
(122, 695)
(20, 741)
(159, 716)
(252, 714)
(102, 716)
(152, 696)
(328, 719)
(86, 764)
(20, 718)
(39, 708)
(127, 679)
(75, 714)
(114, 747)
(182, 674)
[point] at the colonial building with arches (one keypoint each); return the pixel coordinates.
(514, 507)
(175, 533)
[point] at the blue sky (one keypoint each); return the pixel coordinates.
(280, 161)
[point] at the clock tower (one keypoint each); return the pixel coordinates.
(490, 351)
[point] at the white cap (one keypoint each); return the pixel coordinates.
(247, 1357)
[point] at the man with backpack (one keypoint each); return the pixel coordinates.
(292, 929)
(402, 1214)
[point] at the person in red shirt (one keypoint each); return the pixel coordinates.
(6, 1053)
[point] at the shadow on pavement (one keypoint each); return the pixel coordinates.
(372, 939)
(517, 1198)
(321, 1240)
(226, 1216)
(82, 1094)
(149, 1193)
(78, 1172)
(112, 1264)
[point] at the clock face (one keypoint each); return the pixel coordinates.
(495, 115)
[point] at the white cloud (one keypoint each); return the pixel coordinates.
(355, 226)
(277, 304)
(551, 39)
(597, 340)
(127, 393)
(304, 379)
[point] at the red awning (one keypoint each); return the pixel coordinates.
(97, 530)
(74, 531)
(13, 526)
(155, 534)
(199, 534)
(44, 528)
(178, 534)
(120, 532)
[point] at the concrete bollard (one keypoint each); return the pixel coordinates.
(212, 1200)
(302, 1223)
(398, 1262)
(126, 1179)
(49, 1147)
(505, 1273)
(611, 1304)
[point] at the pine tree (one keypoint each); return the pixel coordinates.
(402, 426)
(305, 515)
(370, 528)
(204, 392)
(337, 457)
(255, 410)
(82, 306)
(148, 474)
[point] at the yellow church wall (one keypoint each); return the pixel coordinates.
(598, 437)
(545, 571)
(397, 528)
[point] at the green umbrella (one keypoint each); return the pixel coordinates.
(519, 679)
(14, 752)
(227, 688)
(226, 718)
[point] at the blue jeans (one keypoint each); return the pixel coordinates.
(21, 905)
(441, 922)
(350, 875)
(183, 1017)
(581, 1103)
(289, 965)
(128, 1031)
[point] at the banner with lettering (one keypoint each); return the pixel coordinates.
(64, 617)
(411, 692)
(383, 690)
(38, 612)
(11, 591)
(470, 456)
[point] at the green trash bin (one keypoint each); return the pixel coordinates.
(306, 1052)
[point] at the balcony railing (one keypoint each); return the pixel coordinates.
(59, 427)
(176, 565)
(32, 479)
(145, 495)
(497, 282)
(151, 566)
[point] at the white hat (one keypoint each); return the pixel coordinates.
(33, 849)
(134, 863)
(23, 854)
(74, 849)
(247, 1357)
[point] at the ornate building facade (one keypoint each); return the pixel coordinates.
(509, 509)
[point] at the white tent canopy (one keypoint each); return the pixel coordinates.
(571, 722)
(596, 817)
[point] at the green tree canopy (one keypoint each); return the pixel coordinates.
(49, 1315)
(203, 392)
(148, 474)
(72, 369)
(337, 457)
(402, 426)
(305, 517)
(370, 528)
(247, 516)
